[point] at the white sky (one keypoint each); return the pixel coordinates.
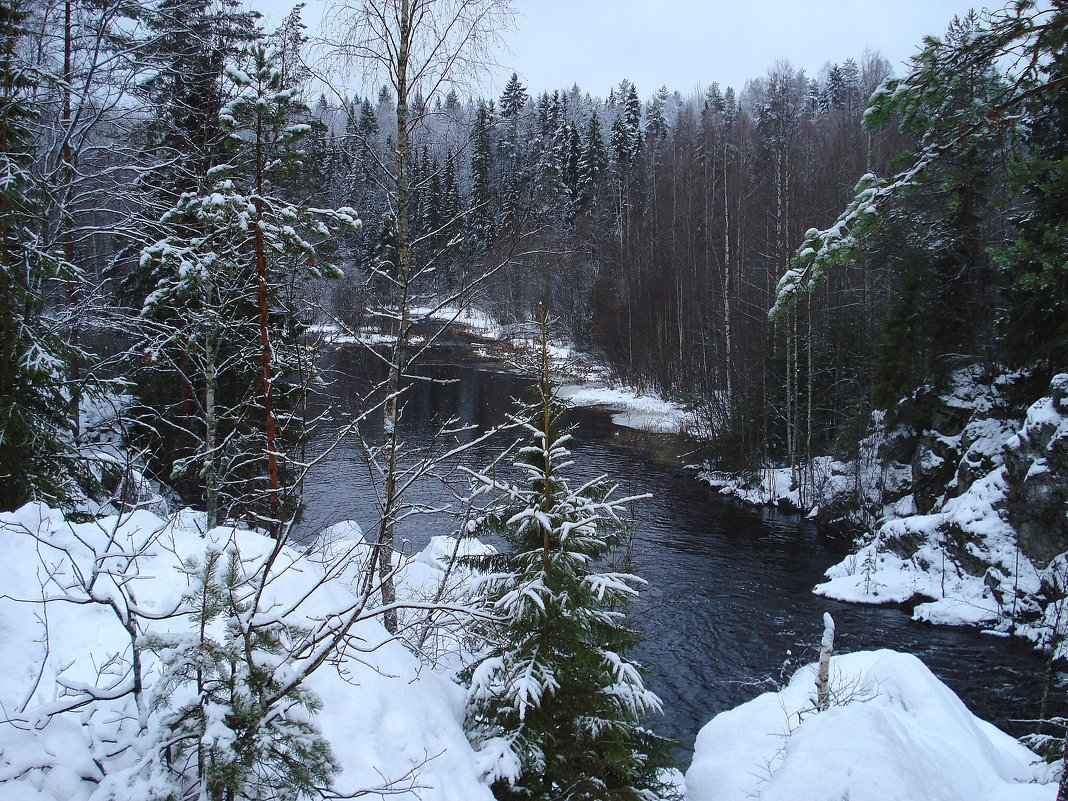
(686, 44)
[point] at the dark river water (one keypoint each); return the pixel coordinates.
(729, 585)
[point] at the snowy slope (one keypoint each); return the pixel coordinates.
(895, 733)
(387, 717)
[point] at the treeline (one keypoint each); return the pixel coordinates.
(657, 230)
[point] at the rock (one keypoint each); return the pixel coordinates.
(933, 469)
(1036, 463)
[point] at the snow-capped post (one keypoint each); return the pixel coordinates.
(823, 691)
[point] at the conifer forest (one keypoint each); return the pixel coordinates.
(376, 422)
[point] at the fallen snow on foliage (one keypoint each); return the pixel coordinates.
(386, 716)
(894, 732)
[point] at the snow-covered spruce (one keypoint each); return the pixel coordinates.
(555, 706)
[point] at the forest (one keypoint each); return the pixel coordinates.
(852, 284)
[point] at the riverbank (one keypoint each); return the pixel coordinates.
(77, 729)
(963, 518)
(583, 381)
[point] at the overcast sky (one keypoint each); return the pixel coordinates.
(686, 44)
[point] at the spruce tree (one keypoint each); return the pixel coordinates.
(1037, 322)
(483, 213)
(36, 449)
(556, 704)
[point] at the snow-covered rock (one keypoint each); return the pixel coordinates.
(894, 732)
(987, 552)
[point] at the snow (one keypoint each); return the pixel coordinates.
(894, 732)
(631, 409)
(583, 381)
(824, 478)
(960, 559)
(387, 716)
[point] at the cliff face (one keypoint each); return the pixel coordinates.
(1036, 464)
(970, 510)
(962, 502)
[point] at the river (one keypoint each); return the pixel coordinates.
(729, 593)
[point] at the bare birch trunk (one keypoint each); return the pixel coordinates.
(67, 223)
(387, 528)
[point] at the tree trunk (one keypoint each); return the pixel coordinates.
(67, 223)
(823, 678)
(274, 522)
(387, 528)
(211, 487)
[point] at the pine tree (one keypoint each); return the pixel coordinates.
(656, 126)
(1037, 323)
(510, 151)
(36, 450)
(218, 322)
(230, 727)
(714, 98)
(189, 44)
(513, 99)
(557, 704)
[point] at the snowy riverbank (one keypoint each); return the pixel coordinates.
(77, 729)
(583, 381)
(943, 509)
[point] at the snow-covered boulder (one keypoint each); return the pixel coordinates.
(893, 733)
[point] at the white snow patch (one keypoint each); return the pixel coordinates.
(894, 733)
(386, 715)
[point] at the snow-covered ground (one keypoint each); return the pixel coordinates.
(630, 409)
(68, 587)
(893, 732)
(823, 479)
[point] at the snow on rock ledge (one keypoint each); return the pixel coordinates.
(987, 548)
(895, 733)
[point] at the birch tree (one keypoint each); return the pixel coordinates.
(415, 46)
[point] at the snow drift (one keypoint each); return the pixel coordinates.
(72, 730)
(894, 732)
